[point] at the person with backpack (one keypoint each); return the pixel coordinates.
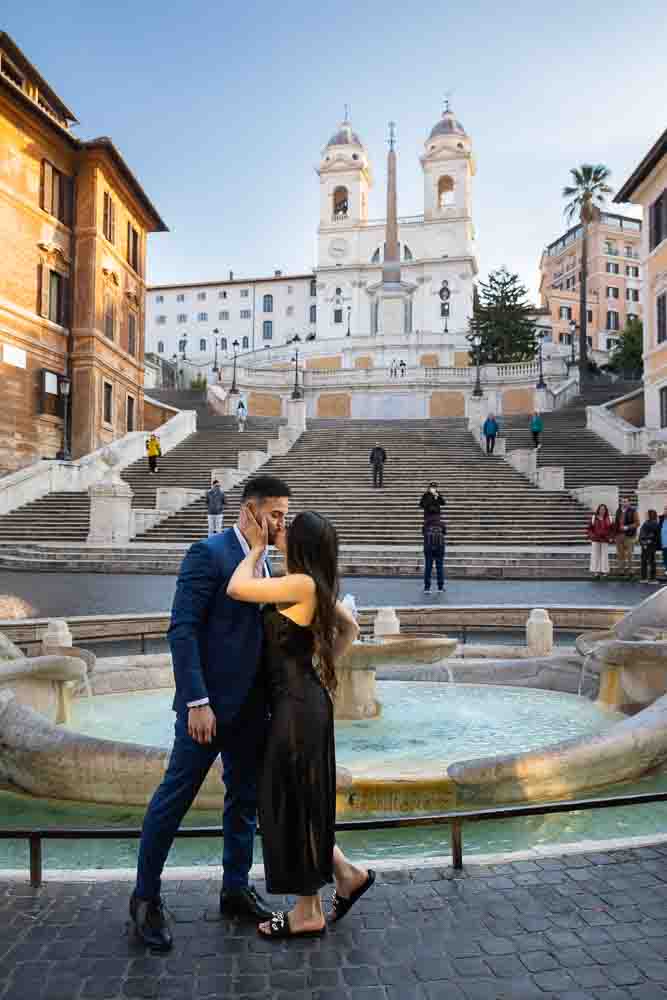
(536, 428)
(154, 451)
(649, 541)
(434, 531)
(377, 459)
(626, 526)
(490, 430)
(215, 506)
(600, 533)
(241, 414)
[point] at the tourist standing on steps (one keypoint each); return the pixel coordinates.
(154, 451)
(663, 537)
(626, 526)
(490, 431)
(649, 541)
(402, 365)
(215, 505)
(600, 533)
(433, 531)
(536, 428)
(241, 414)
(377, 460)
(220, 704)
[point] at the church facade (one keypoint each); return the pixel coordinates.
(344, 314)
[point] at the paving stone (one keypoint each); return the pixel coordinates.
(539, 961)
(624, 974)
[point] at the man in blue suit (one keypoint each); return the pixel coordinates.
(220, 705)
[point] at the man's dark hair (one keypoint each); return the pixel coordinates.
(262, 487)
(216, 482)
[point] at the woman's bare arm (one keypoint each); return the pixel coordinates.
(347, 631)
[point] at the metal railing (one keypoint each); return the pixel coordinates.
(453, 819)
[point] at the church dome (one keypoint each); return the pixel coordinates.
(447, 126)
(345, 136)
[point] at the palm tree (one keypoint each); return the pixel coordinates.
(586, 193)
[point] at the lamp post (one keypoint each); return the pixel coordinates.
(477, 344)
(349, 313)
(215, 363)
(445, 313)
(296, 391)
(64, 387)
(234, 391)
(573, 332)
(541, 384)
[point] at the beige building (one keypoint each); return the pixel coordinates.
(74, 223)
(614, 281)
(647, 186)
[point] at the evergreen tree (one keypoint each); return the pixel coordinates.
(502, 318)
(627, 356)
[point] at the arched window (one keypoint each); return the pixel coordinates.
(375, 259)
(202, 344)
(340, 203)
(445, 191)
(160, 346)
(267, 329)
(245, 343)
(268, 303)
(407, 253)
(223, 344)
(313, 314)
(313, 287)
(182, 345)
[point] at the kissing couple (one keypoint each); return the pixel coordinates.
(254, 664)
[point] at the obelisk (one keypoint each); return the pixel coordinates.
(391, 271)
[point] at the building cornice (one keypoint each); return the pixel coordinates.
(641, 173)
(233, 281)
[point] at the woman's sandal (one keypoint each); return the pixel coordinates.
(343, 904)
(280, 928)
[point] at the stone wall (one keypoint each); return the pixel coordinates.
(334, 404)
(264, 404)
(631, 410)
(323, 364)
(429, 361)
(447, 404)
(364, 361)
(518, 401)
(156, 414)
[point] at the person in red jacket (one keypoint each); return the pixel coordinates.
(601, 533)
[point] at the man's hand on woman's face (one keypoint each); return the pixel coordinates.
(256, 532)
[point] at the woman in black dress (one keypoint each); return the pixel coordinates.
(305, 631)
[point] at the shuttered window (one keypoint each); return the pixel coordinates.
(53, 295)
(133, 247)
(657, 215)
(109, 220)
(131, 333)
(109, 317)
(661, 318)
(56, 193)
(130, 413)
(108, 403)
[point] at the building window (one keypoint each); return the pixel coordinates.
(267, 304)
(267, 330)
(565, 312)
(223, 344)
(338, 315)
(661, 309)
(180, 297)
(612, 268)
(132, 333)
(612, 320)
(222, 294)
(161, 320)
(289, 311)
(610, 248)
(245, 314)
(182, 344)
(589, 315)
(663, 407)
(159, 299)
(244, 293)
(224, 315)
(407, 253)
(612, 292)
(202, 317)
(202, 344)
(160, 346)
(611, 343)
(109, 218)
(245, 343)
(133, 247)
(130, 413)
(340, 203)
(57, 298)
(445, 191)
(632, 294)
(290, 289)
(632, 271)
(201, 296)
(108, 403)
(182, 318)
(313, 314)
(657, 215)
(313, 287)
(109, 316)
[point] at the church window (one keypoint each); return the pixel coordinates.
(245, 314)
(182, 318)
(459, 145)
(159, 298)
(267, 329)
(290, 310)
(407, 253)
(375, 259)
(222, 294)
(338, 315)
(224, 315)
(268, 304)
(313, 314)
(355, 156)
(202, 344)
(313, 287)
(160, 320)
(445, 191)
(244, 293)
(223, 344)
(160, 346)
(180, 297)
(340, 203)
(202, 317)
(245, 343)
(201, 296)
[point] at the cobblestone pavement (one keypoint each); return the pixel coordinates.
(570, 927)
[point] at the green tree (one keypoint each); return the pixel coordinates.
(502, 317)
(627, 356)
(198, 382)
(584, 197)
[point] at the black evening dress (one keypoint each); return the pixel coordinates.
(297, 785)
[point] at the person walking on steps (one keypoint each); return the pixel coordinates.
(536, 429)
(241, 414)
(649, 542)
(626, 526)
(490, 430)
(600, 533)
(154, 451)
(221, 711)
(377, 459)
(663, 537)
(215, 505)
(433, 530)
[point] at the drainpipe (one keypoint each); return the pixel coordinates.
(70, 318)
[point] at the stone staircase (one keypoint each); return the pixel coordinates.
(63, 517)
(586, 458)
(488, 502)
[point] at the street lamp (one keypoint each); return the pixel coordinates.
(296, 391)
(541, 384)
(477, 344)
(349, 313)
(445, 313)
(215, 363)
(234, 391)
(573, 333)
(64, 387)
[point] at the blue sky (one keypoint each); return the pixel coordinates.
(222, 109)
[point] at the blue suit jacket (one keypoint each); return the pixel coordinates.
(215, 641)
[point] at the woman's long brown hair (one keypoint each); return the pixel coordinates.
(312, 548)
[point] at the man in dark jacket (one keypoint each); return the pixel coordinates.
(663, 537)
(434, 532)
(626, 526)
(215, 505)
(490, 432)
(377, 460)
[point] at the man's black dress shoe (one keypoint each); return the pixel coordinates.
(245, 903)
(150, 923)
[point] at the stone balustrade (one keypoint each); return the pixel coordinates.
(620, 434)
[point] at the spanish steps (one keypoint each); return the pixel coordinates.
(488, 502)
